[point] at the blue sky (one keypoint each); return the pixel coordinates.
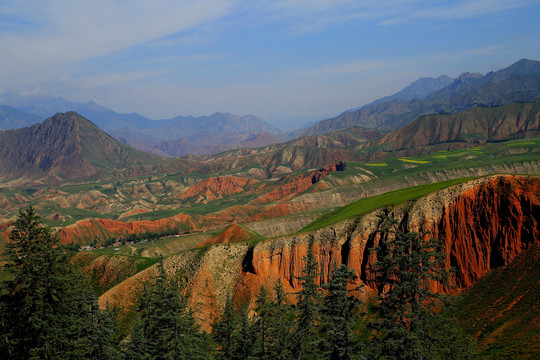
(290, 62)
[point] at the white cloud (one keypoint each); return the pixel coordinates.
(68, 31)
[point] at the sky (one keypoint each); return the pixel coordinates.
(290, 62)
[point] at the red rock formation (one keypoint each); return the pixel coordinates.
(488, 225)
(103, 229)
(215, 188)
(5, 225)
(294, 185)
(233, 233)
(278, 210)
(133, 212)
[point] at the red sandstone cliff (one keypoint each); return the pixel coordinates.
(484, 224)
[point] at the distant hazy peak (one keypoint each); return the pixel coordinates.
(419, 89)
(469, 75)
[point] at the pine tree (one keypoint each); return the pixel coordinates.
(339, 315)
(280, 326)
(103, 336)
(308, 307)
(262, 323)
(245, 339)
(137, 347)
(406, 264)
(44, 303)
(168, 326)
(224, 331)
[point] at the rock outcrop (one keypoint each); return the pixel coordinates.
(215, 188)
(84, 231)
(295, 185)
(233, 233)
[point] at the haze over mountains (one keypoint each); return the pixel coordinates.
(218, 132)
(199, 135)
(418, 89)
(519, 82)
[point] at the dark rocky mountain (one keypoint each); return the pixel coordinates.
(12, 118)
(420, 88)
(65, 146)
(518, 82)
(478, 125)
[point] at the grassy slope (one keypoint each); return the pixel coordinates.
(366, 205)
(503, 309)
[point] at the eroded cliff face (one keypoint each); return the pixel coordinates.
(488, 225)
(483, 223)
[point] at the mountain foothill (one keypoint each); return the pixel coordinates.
(229, 204)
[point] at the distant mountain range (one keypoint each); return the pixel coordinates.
(518, 82)
(12, 118)
(69, 148)
(418, 89)
(217, 132)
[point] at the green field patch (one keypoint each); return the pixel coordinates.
(478, 150)
(363, 206)
(459, 153)
(377, 164)
(439, 156)
(521, 143)
(412, 161)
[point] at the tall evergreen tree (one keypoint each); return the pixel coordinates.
(246, 339)
(308, 307)
(168, 326)
(262, 323)
(103, 335)
(137, 347)
(339, 315)
(406, 264)
(44, 303)
(280, 326)
(225, 330)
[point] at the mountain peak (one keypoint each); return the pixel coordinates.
(523, 67)
(65, 146)
(69, 121)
